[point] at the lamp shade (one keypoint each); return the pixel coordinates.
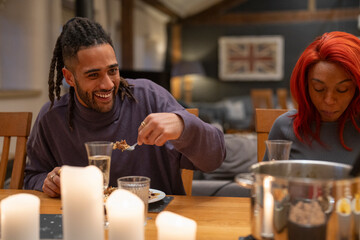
(187, 67)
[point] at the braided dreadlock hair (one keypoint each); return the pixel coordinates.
(77, 33)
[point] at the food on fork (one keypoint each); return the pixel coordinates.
(122, 145)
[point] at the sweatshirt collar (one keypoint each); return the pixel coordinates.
(98, 118)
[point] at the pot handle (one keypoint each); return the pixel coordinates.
(245, 180)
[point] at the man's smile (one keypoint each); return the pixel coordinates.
(103, 95)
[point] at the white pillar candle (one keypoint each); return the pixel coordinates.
(171, 226)
(20, 217)
(268, 208)
(125, 213)
(82, 203)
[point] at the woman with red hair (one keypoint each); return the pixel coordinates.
(325, 83)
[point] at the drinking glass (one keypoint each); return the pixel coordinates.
(278, 149)
(99, 155)
(138, 185)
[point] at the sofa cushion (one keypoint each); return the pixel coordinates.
(223, 188)
(241, 153)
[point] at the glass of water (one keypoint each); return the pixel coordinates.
(278, 149)
(99, 155)
(139, 185)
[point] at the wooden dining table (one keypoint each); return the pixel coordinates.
(216, 217)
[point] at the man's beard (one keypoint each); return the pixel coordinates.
(91, 102)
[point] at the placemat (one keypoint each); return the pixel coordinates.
(51, 226)
(249, 237)
(158, 206)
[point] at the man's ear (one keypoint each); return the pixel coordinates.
(69, 77)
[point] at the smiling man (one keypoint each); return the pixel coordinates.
(102, 106)
(95, 77)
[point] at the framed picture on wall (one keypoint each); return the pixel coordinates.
(251, 58)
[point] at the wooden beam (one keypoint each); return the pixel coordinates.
(127, 22)
(162, 8)
(175, 43)
(68, 4)
(281, 17)
(215, 10)
(176, 82)
(312, 5)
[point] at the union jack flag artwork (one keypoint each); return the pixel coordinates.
(251, 58)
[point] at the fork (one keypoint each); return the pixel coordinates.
(131, 148)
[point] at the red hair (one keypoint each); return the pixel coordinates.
(336, 47)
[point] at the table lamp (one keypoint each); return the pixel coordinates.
(186, 71)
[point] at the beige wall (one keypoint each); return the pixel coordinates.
(150, 38)
(28, 31)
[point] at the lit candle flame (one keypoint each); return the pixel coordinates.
(268, 206)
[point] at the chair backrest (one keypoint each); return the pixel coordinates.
(282, 95)
(264, 119)
(14, 124)
(262, 98)
(295, 104)
(187, 175)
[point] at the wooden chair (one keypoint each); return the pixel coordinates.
(14, 124)
(264, 119)
(295, 104)
(262, 98)
(187, 175)
(282, 95)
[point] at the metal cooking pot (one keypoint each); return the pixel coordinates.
(303, 199)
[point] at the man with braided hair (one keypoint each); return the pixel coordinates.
(102, 106)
